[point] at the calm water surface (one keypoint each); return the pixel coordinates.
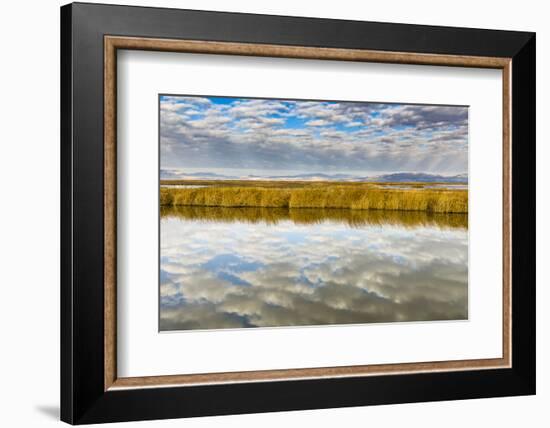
(264, 267)
(183, 186)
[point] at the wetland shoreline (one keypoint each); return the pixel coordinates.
(355, 196)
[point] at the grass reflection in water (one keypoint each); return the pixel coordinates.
(268, 267)
(352, 218)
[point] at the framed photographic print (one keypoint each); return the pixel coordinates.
(266, 213)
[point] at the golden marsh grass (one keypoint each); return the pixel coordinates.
(355, 196)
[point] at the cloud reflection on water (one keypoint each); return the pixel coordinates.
(237, 273)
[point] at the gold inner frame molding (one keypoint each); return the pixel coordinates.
(113, 43)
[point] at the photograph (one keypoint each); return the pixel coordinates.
(279, 209)
(286, 212)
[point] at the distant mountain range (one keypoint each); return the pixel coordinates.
(421, 177)
(397, 177)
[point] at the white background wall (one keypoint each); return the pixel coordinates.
(29, 218)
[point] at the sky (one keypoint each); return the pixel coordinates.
(271, 136)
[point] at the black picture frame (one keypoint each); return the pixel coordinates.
(83, 398)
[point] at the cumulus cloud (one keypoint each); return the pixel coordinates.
(214, 132)
(318, 122)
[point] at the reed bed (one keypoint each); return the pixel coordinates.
(356, 197)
